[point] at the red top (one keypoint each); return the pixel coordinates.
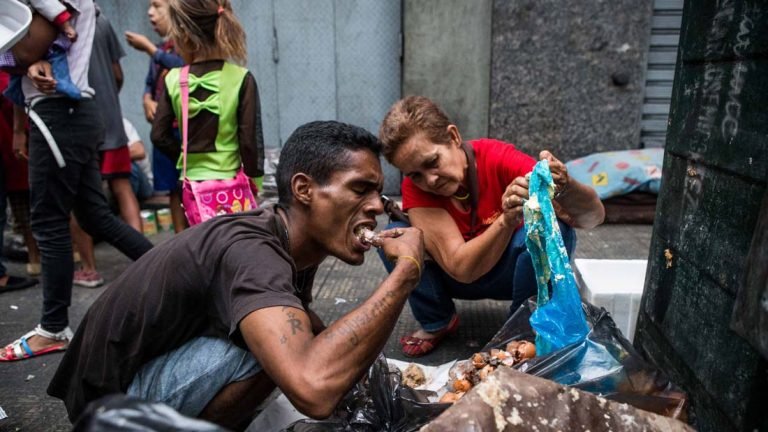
(498, 164)
(14, 170)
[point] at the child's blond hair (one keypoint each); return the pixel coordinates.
(207, 28)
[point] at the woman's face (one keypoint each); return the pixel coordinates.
(435, 168)
(158, 16)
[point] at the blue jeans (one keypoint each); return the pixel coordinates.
(56, 192)
(512, 278)
(188, 377)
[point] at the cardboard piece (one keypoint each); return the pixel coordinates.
(509, 400)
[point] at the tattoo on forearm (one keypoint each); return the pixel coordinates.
(352, 325)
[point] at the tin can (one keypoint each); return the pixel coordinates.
(148, 222)
(164, 220)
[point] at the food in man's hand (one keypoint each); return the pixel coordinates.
(367, 236)
(413, 376)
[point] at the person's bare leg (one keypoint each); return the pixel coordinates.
(234, 406)
(126, 201)
(177, 212)
(84, 244)
(32, 250)
(19, 201)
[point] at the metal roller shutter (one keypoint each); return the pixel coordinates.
(665, 34)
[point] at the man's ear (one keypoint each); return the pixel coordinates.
(301, 186)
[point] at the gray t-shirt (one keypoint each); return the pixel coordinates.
(107, 51)
(202, 281)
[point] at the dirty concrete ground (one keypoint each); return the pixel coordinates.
(338, 289)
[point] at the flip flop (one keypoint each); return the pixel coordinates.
(16, 283)
(20, 349)
(417, 347)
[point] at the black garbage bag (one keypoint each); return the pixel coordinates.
(378, 403)
(121, 413)
(605, 363)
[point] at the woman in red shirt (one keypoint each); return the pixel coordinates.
(478, 253)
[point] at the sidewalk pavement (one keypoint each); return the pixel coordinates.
(338, 289)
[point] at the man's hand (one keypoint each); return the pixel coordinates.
(69, 31)
(140, 42)
(20, 144)
(403, 242)
(42, 76)
(150, 107)
(558, 170)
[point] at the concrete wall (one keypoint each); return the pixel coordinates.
(569, 76)
(336, 59)
(447, 58)
(132, 15)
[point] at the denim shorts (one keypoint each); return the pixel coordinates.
(188, 377)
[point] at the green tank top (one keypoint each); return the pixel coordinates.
(225, 84)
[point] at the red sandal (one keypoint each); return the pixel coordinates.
(20, 350)
(417, 347)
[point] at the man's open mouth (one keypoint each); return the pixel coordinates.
(366, 235)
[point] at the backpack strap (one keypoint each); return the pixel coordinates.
(184, 83)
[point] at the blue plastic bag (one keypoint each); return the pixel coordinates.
(558, 321)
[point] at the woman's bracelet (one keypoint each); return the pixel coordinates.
(415, 261)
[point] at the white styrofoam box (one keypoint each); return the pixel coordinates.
(616, 285)
(14, 22)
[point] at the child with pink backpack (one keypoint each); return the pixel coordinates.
(217, 104)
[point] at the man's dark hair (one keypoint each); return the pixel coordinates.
(319, 149)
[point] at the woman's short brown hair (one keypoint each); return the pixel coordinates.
(410, 116)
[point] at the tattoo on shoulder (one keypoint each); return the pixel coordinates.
(295, 326)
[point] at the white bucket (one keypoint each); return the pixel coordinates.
(14, 23)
